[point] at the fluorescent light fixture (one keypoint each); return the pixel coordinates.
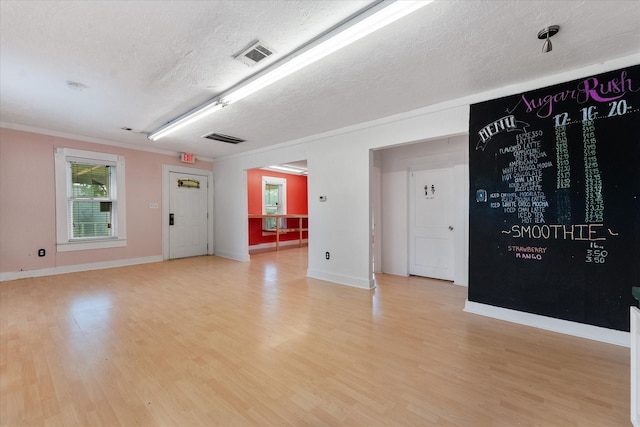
(359, 27)
(186, 119)
(289, 169)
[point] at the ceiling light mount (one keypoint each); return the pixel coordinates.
(546, 34)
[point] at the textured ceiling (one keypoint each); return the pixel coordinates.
(145, 62)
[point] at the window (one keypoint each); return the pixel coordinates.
(91, 201)
(274, 200)
(90, 212)
(272, 203)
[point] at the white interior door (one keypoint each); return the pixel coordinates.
(431, 224)
(377, 219)
(188, 211)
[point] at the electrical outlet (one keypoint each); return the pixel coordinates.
(327, 255)
(41, 252)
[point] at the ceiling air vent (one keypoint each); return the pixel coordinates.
(254, 54)
(224, 138)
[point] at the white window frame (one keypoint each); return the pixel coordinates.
(282, 193)
(63, 177)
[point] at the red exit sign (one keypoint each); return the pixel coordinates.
(187, 157)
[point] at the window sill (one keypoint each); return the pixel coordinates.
(96, 244)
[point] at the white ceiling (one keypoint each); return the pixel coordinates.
(147, 62)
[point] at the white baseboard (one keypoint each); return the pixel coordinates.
(342, 279)
(596, 333)
(232, 256)
(14, 275)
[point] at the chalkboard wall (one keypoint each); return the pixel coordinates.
(554, 224)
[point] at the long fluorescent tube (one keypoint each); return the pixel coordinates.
(286, 169)
(186, 119)
(377, 20)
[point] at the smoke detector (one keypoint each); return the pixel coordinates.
(255, 53)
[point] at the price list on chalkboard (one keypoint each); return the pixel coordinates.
(554, 224)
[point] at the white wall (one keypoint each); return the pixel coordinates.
(339, 168)
(396, 163)
(339, 163)
(341, 225)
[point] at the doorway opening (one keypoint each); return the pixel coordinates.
(277, 207)
(446, 191)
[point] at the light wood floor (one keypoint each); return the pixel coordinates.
(213, 342)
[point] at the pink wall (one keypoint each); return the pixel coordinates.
(27, 202)
(296, 203)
